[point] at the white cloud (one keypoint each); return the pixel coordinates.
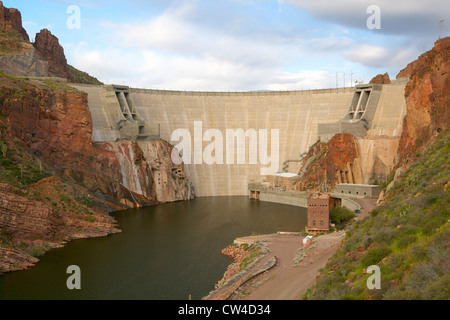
(400, 17)
(178, 50)
(379, 57)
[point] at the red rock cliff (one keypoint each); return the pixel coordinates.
(49, 123)
(44, 58)
(331, 163)
(11, 20)
(427, 100)
(50, 50)
(55, 124)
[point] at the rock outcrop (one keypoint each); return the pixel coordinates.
(427, 99)
(47, 45)
(44, 58)
(11, 20)
(381, 79)
(43, 217)
(328, 164)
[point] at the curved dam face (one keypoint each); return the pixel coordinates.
(285, 122)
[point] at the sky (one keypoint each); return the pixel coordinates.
(238, 45)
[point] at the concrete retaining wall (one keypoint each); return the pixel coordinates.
(298, 201)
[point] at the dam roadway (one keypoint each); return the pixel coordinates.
(296, 114)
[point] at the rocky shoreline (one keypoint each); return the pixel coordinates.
(284, 270)
(245, 257)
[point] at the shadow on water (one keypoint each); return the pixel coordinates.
(165, 252)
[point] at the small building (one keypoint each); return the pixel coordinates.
(284, 181)
(358, 190)
(319, 207)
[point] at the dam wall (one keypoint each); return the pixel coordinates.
(295, 114)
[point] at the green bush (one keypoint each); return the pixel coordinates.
(384, 235)
(430, 227)
(340, 215)
(375, 255)
(438, 289)
(406, 240)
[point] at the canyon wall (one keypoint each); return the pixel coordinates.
(55, 124)
(56, 184)
(427, 99)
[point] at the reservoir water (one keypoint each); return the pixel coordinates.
(165, 252)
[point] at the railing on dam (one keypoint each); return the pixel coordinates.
(242, 93)
(272, 190)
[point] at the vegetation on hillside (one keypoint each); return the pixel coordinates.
(78, 76)
(340, 216)
(408, 237)
(22, 88)
(11, 42)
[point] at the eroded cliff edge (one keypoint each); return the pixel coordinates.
(56, 184)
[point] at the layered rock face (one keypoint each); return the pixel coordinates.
(57, 126)
(427, 98)
(30, 225)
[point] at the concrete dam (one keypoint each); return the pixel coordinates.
(373, 113)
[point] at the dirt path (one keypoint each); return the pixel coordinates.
(289, 279)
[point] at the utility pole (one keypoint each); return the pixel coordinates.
(351, 78)
(336, 82)
(344, 80)
(442, 27)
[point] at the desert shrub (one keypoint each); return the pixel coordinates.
(384, 235)
(430, 227)
(395, 261)
(439, 245)
(417, 252)
(408, 229)
(402, 294)
(353, 242)
(375, 255)
(438, 289)
(376, 211)
(367, 241)
(394, 221)
(426, 199)
(406, 240)
(340, 215)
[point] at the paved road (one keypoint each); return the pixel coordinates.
(367, 205)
